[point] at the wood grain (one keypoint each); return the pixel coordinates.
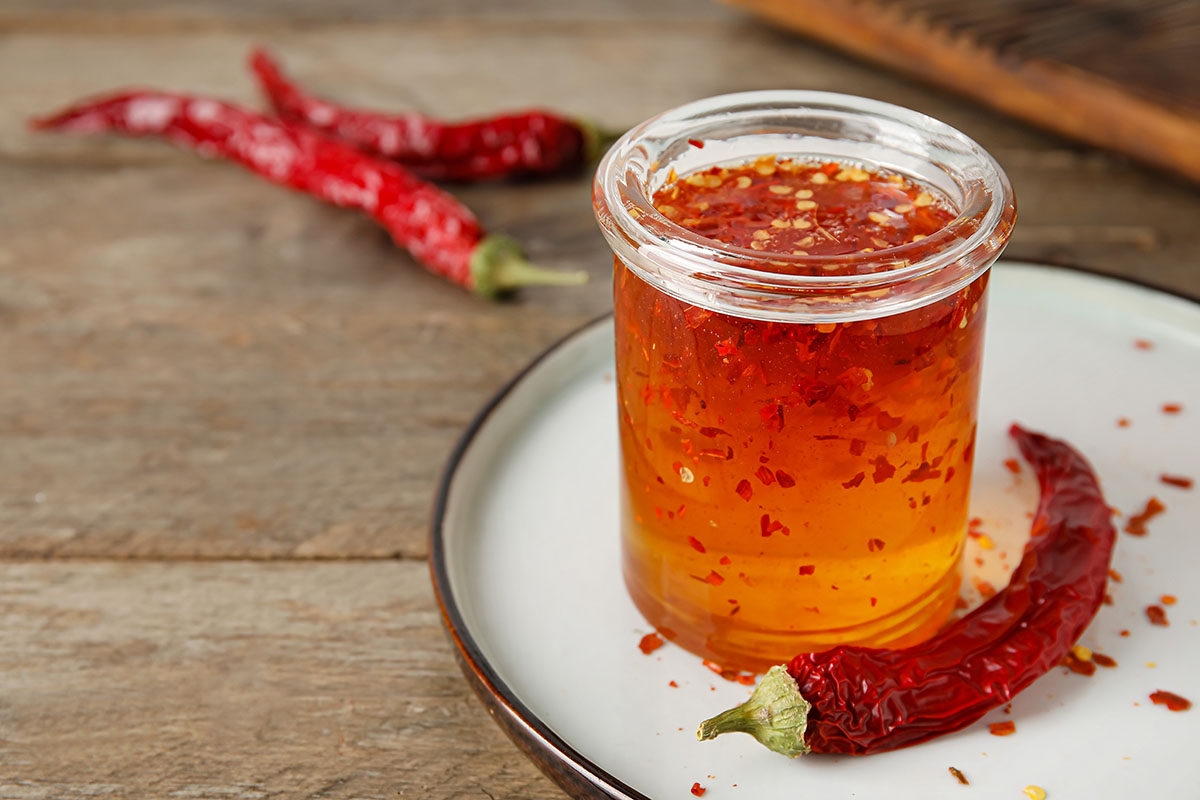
(225, 407)
(238, 680)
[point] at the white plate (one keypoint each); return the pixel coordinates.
(525, 551)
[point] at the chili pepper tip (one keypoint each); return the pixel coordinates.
(498, 265)
(776, 715)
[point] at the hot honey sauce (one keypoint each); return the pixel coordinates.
(793, 486)
(800, 285)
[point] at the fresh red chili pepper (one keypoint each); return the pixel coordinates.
(504, 146)
(856, 700)
(439, 231)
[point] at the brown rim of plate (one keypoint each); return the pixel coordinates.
(575, 773)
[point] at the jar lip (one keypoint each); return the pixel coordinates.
(637, 229)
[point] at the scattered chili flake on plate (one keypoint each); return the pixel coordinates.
(1143, 344)
(731, 675)
(1157, 616)
(1137, 523)
(1172, 408)
(1168, 600)
(958, 776)
(1013, 465)
(1006, 728)
(1122, 422)
(1176, 480)
(1172, 701)
(1035, 792)
(673, 685)
(650, 642)
(1108, 662)
(1078, 665)
(698, 790)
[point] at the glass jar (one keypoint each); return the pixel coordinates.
(796, 431)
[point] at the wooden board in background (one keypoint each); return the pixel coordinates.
(1121, 74)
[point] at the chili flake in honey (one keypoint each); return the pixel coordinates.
(781, 206)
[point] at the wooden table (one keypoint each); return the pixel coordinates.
(225, 406)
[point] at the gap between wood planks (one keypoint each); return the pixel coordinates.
(85, 23)
(214, 559)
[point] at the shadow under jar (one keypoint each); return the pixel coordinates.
(800, 283)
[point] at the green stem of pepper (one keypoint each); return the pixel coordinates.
(776, 715)
(498, 265)
(596, 140)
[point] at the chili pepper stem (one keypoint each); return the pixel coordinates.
(596, 140)
(498, 265)
(776, 715)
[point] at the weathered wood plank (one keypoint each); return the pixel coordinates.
(616, 73)
(238, 372)
(239, 680)
(149, 15)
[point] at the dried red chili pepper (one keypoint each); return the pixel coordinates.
(439, 231)
(856, 700)
(505, 146)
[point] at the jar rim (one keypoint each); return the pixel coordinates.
(677, 258)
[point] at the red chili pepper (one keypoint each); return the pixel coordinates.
(505, 146)
(439, 231)
(856, 700)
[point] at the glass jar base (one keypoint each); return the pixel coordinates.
(755, 650)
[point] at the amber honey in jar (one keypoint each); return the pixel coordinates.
(800, 287)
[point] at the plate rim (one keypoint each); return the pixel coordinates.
(578, 775)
